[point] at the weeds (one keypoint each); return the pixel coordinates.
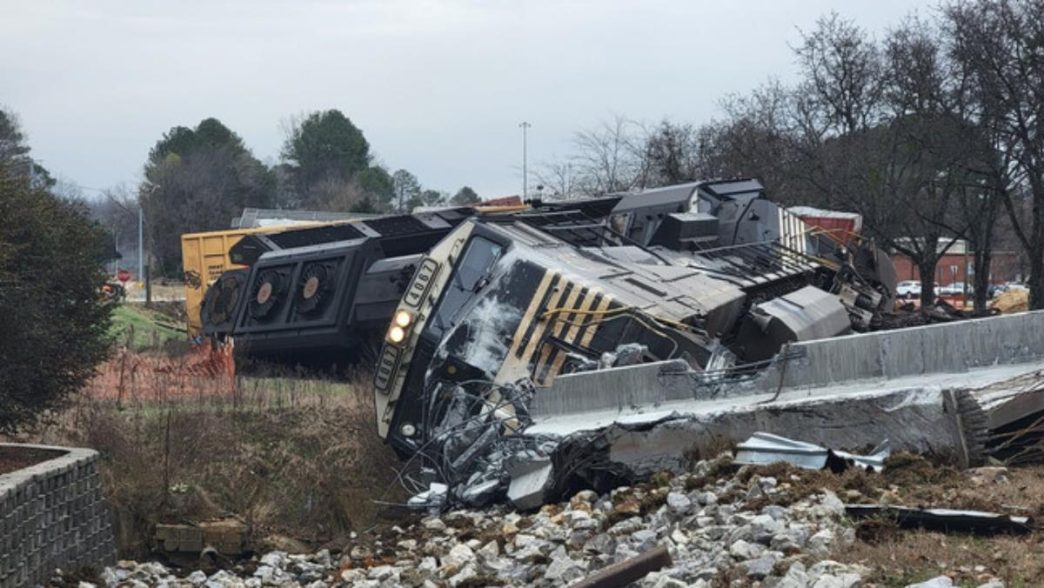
(295, 458)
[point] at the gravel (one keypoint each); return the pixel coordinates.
(713, 537)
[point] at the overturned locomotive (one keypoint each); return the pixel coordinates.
(710, 273)
(318, 294)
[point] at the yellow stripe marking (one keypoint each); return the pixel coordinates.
(597, 316)
(542, 322)
(510, 363)
(592, 327)
(534, 306)
(559, 325)
(574, 330)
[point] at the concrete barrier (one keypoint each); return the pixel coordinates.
(913, 356)
(948, 348)
(53, 515)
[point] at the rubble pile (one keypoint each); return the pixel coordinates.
(720, 523)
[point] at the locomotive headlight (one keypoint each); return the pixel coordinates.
(403, 319)
(396, 334)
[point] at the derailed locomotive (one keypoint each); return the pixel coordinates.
(711, 273)
(318, 294)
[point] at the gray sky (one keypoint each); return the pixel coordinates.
(438, 87)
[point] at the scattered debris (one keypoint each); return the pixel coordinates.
(226, 536)
(766, 448)
(938, 519)
(630, 570)
(1011, 301)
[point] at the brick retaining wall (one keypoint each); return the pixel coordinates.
(53, 515)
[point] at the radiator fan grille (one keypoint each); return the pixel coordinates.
(223, 297)
(315, 288)
(267, 294)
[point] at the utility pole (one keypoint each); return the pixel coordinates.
(116, 247)
(141, 248)
(525, 162)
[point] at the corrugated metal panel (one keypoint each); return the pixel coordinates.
(793, 232)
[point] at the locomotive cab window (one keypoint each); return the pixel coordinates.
(468, 278)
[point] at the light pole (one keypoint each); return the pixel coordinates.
(146, 273)
(525, 175)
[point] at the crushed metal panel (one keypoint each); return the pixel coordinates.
(726, 190)
(766, 448)
(804, 315)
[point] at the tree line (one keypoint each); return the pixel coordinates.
(198, 179)
(933, 133)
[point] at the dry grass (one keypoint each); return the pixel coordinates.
(291, 457)
(899, 557)
(914, 556)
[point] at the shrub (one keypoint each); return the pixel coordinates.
(52, 326)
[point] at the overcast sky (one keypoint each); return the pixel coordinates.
(438, 87)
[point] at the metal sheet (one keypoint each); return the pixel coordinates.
(766, 448)
(939, 519)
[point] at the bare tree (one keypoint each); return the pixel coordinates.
(998, 42)
(922, 79)
(843, 74)
(882, 130)
(672, 155)
(608, 158)
(757, 138)
(560, 180)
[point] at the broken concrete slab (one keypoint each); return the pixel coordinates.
(645, 422)
(530, 482)
(655, 391)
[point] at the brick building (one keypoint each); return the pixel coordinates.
(956, 266)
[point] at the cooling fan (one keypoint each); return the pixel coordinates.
(315, 288)
(221, 300)
(267, 294)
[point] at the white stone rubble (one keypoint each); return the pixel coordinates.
(710, 529)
